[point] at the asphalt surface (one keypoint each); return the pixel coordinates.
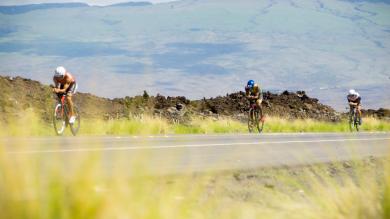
(192, 153)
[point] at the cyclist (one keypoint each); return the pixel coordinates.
(354, 100)
(65, 83)
(254, 94)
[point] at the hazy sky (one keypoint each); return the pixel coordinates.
(91, 2)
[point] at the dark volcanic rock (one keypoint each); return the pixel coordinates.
(287, 104)
(381, 113)
(19, 93)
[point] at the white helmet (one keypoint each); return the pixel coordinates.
(354, 93)
(59, 72)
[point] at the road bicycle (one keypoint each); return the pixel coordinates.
(61, 116)
(353, 119)
(255, 118)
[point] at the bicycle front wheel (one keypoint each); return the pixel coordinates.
(356, 122)
(251, 120)
(259, 120)
(351, 121)
(59, 119)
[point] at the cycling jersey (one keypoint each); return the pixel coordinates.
(254, 91)
(71, 89)
(67, 79)
(354, 99)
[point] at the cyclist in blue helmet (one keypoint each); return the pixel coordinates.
(254, 94)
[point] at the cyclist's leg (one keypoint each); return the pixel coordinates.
(359, 110)
(71, 90)
(351, 112)
(70, 103)
(258, 104)
(250, 112)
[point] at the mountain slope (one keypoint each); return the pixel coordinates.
(211, 47)
(20, 9)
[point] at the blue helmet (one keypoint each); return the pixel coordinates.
(251, 83)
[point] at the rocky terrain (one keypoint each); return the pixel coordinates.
(18, 94)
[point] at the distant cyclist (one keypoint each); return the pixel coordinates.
(65, 83)
(254, 94)
(354, 100)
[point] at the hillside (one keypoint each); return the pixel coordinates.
(322, 47)
(18, 94)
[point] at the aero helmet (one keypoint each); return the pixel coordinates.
(251, 83)
(59, 72)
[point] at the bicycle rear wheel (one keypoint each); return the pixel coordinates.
(74, 128)
(59, 119)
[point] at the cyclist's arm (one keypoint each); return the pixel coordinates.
(260, 94)
(256, 96)
(251, 97)
(352, 103)
(56, 84)
(63, 90)
(247, 93)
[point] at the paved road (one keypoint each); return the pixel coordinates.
(189, 153)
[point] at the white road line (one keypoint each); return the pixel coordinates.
(114, 139)
(126, 137)
(191, 145)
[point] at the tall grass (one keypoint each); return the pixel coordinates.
(210, 126)
(386, 193)
(141, 126)
(79, 186)
(274, 124)
(28, 124)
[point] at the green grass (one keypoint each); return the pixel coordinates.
(27, 124)
(57, 188)
(309, 125)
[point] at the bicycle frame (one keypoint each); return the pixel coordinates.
(254, 107)
(353, 111)
(62, 100)
(353, 117)
(63, 104)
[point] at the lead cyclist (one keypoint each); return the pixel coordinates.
(65, 83)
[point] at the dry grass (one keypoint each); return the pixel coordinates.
(81, 188)
(28, 124)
